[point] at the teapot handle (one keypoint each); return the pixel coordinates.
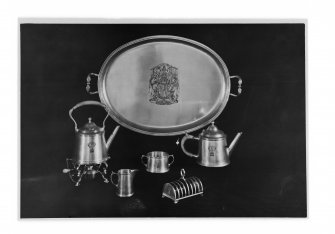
(185, 138)
(113, 173)
(86, 103)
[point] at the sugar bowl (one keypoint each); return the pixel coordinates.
(157, 161)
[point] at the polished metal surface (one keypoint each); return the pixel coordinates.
(182, 188)
(163, 85)
(90, 149)
(90, 143)
(213, 150)
(124, 183)
(157, 161)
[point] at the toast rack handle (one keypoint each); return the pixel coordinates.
(182, 173)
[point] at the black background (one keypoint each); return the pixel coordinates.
(267, 176)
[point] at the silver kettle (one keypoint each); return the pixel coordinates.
(90, 144)
(213, 150)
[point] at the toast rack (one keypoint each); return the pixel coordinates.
(183, 188)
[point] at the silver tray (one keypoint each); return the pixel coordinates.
(164, 85)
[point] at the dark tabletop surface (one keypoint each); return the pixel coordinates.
(226, 194)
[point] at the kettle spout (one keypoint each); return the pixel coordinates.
(111, 138)
(233, 143)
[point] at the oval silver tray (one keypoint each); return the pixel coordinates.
(164, 85)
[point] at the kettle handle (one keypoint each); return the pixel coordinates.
(113, 173)
(86, 103)
(185, 138)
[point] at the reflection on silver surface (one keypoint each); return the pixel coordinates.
(164, 85)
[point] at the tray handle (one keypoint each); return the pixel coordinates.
(88, 83)
(239, 88)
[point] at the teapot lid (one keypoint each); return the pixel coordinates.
(90, 127)
(213, 132)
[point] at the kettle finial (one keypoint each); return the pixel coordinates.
(89, 119)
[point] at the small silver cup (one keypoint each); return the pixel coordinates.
(124, 183)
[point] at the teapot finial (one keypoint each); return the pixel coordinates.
(89, 119)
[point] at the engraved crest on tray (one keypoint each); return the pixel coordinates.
(164, 85)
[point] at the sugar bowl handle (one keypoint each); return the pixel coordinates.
(142, 160)
(113, 173)
(171, 156)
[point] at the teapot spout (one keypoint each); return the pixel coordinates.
(111, 138)
(233, 143)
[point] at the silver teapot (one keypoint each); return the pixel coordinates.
(213, 150)
(91, 149)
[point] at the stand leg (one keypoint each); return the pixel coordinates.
(103, 173)
(81, 176)
(103, 176)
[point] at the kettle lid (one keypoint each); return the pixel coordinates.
(213, 132)
(90, 127)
